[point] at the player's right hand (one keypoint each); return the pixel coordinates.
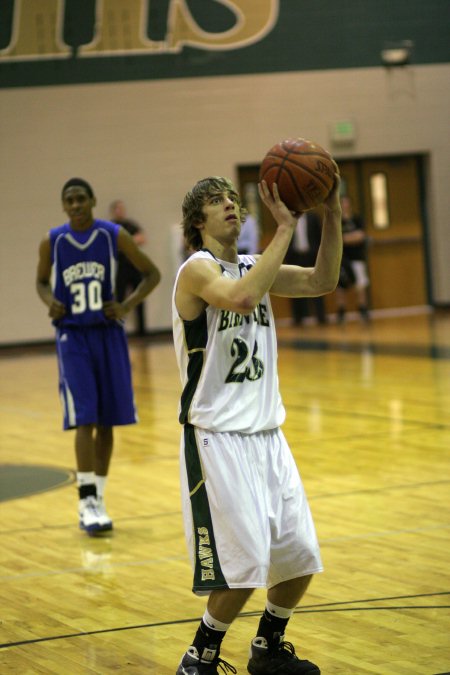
(56, 309)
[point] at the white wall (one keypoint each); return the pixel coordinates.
(148, 142)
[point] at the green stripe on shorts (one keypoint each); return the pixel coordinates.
(208, 574)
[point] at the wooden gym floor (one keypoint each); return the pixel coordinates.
(368, 422)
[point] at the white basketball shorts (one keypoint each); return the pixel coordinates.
(246, 516)
(359, 268)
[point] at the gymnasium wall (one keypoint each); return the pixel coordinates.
(147, 141)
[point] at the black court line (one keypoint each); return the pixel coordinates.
(170, 514)
(388, 488)
(308, 609)
(198, 618)
(385, 349)
(371, 416)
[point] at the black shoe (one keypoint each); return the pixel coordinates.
(364, 314)
(192, 664)
(341, 315)
(278, 660)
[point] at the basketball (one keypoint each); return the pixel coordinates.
(302, 170)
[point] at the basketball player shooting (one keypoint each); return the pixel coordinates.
(236, 467)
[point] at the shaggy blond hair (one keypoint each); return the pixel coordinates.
(193, 207)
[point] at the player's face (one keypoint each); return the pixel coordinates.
(223, 217)
(78, 205)
(119, 211)
(346, 206)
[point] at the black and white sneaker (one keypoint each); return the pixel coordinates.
(104, 519)
(92, 520)
(192, 664)
(280, 659)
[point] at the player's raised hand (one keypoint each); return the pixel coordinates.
(332, 202)
(278, 209)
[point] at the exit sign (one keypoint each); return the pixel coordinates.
(343, 132)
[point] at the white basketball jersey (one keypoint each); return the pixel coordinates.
(228, 362)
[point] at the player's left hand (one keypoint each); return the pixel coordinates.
(332, 202)
(113, 309)
(278, 208)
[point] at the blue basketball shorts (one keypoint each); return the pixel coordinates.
(95, 383)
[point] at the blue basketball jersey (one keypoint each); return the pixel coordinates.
(84, 271)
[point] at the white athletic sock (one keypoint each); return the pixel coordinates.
(212, 623)
(100, 482)
(280, 612)
(85, 478)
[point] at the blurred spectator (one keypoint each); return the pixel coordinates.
(128, 277)
(354, 267)
(248, 241)
(303, 251)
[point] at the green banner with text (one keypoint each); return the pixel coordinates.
(50, 42)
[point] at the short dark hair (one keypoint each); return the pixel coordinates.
(80, 182)
(193, 206)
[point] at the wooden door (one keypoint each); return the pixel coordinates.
(396, 251)
(396, 248)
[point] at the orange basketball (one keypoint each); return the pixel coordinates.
(303, 171)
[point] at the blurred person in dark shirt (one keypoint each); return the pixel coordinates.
(128, 277)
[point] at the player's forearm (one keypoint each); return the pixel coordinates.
(45, 292)
(254, 285)
(328, 262)
(144, 288)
